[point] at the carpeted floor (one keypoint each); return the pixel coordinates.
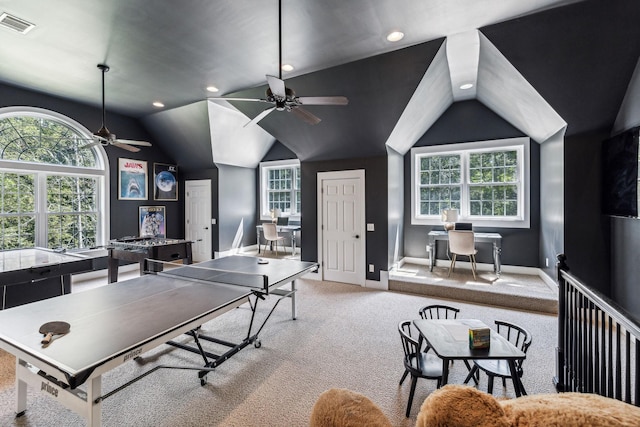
(345, 336)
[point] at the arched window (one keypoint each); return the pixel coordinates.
(53, 183)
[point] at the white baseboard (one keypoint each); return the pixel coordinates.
(382, 284)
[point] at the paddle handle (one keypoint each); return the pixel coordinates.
(47, 338)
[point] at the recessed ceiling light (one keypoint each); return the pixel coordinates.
(466, 86)
(212, 89)
(158, 104)
(395, 36)
(287, 67)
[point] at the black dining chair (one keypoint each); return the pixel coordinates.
(516, 335)
(417, 363)
(438, 311)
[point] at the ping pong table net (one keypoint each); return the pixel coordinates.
(204, 274)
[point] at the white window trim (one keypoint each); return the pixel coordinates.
(522, 144)
(101, 171)
(265, 215)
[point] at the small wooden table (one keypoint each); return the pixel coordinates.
(449, 339)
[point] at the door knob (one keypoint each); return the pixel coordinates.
(206, 228)
(199, 240)
(357, 236)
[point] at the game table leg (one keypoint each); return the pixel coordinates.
(21, 393)
(94, 413)
(294, 313)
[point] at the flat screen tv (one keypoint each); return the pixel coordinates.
(620, 174)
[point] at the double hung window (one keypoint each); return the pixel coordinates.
(487, 182)
(280, 189)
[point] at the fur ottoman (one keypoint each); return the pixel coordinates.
(464, 406)
(345, 408)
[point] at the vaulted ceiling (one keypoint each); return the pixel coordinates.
(540, 64)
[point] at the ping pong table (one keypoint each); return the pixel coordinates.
(119, 322)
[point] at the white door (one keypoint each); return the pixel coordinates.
(198, 218)
(341, 232)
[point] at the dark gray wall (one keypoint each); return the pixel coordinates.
(375, 211)
(465, 122)
(586, 229)
(625, 263)
(123, 213)
(236, 207)
(395, 194)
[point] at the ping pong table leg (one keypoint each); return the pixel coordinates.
(21, 392)
(94, 411)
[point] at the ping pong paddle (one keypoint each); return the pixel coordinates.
(53, 328)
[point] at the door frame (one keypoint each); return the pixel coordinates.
(344, 174)
(186, 204)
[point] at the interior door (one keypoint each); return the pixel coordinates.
(198, 218)
(342, 227)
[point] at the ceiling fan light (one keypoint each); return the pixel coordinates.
(287, 67)
(158, 104)
(395, 36)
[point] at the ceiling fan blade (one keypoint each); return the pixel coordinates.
(260, 116)
(125, 146)
(132, 142)
(91, 144)
(277, 86)
(237, 99)
(305, 115)
(323, 100)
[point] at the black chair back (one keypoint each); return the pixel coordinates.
(438, 311)
(410, 347)
(516, 335)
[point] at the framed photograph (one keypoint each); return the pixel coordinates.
(152, 221)
(165, 182)
(132, 179)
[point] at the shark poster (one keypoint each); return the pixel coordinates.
(132, 179)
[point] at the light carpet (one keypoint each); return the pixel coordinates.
(345, 336)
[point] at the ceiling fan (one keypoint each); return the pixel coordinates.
(284, 98)
(104, 136)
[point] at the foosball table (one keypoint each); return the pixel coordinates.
(139, 249)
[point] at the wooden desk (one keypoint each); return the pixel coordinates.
(292, 230)
(494, 238)
(449, 339)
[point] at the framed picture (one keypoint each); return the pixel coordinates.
(132, 179)
(165, 182)
(152, 221)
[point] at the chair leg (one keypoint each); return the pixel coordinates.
(413, 389)
(404, 376)
(490, 384)
(473, 265)
(453, 265)
(472, 375)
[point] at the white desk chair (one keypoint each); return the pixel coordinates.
(462, 243)
(270, 233)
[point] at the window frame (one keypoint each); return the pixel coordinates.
(521, 145)
(42, 171)
(264, 169)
